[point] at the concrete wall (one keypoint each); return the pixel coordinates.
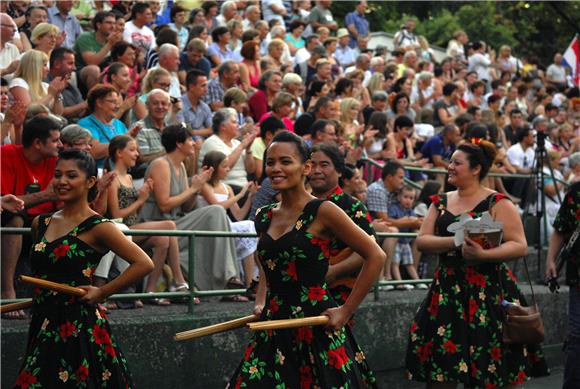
(156, 361)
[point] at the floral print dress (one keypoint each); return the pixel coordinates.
(308, 357)
(69, 342)
(456, 335)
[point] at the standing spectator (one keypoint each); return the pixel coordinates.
(27, 171)
(321, 16)
(345, 55)
(228, 76)
(62, 65)
(556, 73)
(136, 30)
(479, 62)
(196, 113)
(9, 53)
(357, 23)
(92, 47)
(262, 100)
(60, 16)
(178, 18)
(274, 10)
(194, 58)
(405, 39)
(455, 47)
(240, 161)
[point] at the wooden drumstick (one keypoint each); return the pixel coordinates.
(16, 306)
(55, 286)
(215, 328)
(289, 323)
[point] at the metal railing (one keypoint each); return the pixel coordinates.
(192, 293)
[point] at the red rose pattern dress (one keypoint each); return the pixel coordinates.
(456, 335)
(295, 265)
(69, 342)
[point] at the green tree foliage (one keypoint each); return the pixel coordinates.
(530, 28)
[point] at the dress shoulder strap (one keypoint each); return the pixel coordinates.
(263, 217)
(89, 223)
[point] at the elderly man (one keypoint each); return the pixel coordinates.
(363, 63)
(169, 60)
(303, 54)
(60, 16)
(149, 138)
(556, 73)
(252, 17)
(196, 113)
(422, 94)
(9, 53)
(228, 11)
(27, 171)
(240, 161)
(345, 55)
(228, 76)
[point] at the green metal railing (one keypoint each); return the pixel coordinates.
(191, 294)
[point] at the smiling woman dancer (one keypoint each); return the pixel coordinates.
(293, 249)
(69, 341)
(456, 336)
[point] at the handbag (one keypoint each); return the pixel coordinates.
(522, 325)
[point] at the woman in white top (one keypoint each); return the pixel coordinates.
(27, 85)
(215, 191)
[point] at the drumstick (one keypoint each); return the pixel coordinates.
(55, 286)
(289, 323)
(16, 306)
(215, 328)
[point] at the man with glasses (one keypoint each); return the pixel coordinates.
(323, 131)
(149, 137)
(9, 53)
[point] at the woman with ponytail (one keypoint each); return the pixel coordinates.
(456, 336)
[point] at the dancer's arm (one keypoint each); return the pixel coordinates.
(426, 239)
(261, 293)
(107, 237)
(334, 220)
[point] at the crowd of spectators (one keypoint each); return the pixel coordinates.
(178, 104)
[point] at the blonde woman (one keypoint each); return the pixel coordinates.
(236, 30)
(349, 119)
(45, 37)
(27, 85)
(376, 83)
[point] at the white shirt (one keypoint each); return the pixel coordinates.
(237, 175)
(8, 55)
(520, 158)
(557, 73)
(23, 84)
(269, 13)
(140, 37)
(479, 63)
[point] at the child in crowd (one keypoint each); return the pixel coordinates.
(431, 188)
(403, 207)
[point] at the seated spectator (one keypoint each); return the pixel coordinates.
(439, 148)
(238, 99)
(124, 202)
(303, 54)
(403, 208)
(149, 137)
(93, 47)
(325, 108)
(307, 69)
(178, 19)
(219, 51)
(27, 171)
(294, 36)
(27, 85)
(45, 37)
(250, 72)
(316, 90)
(117, 75)
(281, 110)
(62, 65)
(169, 60)
(262, 100)
(350, 109)
(269, 127)
(35, 14)
(275, 52)
(136, 30)
(447, 109)
(194, 58)
(240, 160)
(236, 31)
(379, 103)
(196, 113)
(125, 53)
(359, 92)
(345, 54)
(215, 191)
(76, 137)
(103, 105)
(292, 83)
(173, 198)
(228, 76)
(158, 78)
(323, 131)
(401, 106)
(163, 35)
(9, 53)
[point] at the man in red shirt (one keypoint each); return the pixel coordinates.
(27, 171)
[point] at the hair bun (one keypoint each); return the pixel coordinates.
(489, 150)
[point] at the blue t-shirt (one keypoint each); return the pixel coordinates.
(101, 131)
(396, 211)
(204, 65)
(435, 146)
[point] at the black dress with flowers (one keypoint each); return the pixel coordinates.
(69, 342)
(456, 335)
(295, 267)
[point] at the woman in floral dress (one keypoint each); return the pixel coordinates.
(69, 341)
(293, 250)
(456, 336)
